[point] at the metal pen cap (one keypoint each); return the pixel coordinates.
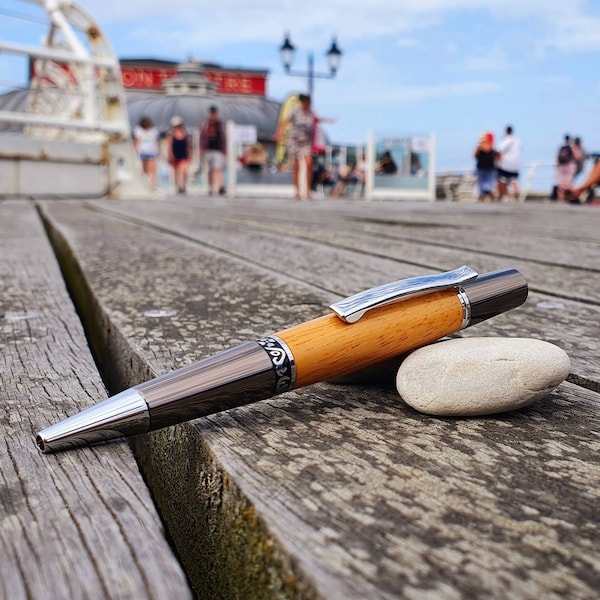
(494, 293)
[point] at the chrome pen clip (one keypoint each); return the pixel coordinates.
(353, 308)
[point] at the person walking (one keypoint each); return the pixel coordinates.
(180, 151)
(509, 164)
(485, 157)
(303, 123)
(566, 166)
(580, 155)
(145, 142)
(212, 150)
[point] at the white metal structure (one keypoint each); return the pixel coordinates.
(76, 136)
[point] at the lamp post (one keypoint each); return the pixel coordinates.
(334, 58)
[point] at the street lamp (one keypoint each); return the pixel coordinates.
(334, 58)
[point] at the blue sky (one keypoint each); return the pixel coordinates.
(455, 68)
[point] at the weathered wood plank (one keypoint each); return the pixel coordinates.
(544, 232)
(563, 265)
(79, 524)
(333, 491)
(336, 260)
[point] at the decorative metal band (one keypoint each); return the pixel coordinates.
(466, 306)
(283, 362)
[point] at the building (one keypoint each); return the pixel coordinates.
(162, 89)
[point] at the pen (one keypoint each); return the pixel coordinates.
(362, 330)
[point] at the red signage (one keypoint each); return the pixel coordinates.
(144, 78)
(233, 82)
(229, 82)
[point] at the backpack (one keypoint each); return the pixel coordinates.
(565, 155)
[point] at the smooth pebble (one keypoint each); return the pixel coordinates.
(480, 376)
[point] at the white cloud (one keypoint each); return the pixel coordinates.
(408, 43)
(577, 34)
(381, 84)
(569, 26)
(491, 60)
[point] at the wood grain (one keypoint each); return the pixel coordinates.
(73, 525)
(335, 491)
(327, 348)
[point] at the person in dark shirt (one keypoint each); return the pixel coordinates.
(485, 157)
(212, 149)
(386, 164)
(180, 151)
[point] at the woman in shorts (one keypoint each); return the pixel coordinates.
(145, 141)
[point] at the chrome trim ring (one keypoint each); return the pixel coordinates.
(466, 306)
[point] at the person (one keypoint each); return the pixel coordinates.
(580, 155)
(303, 124)
(212, 149)
(350, 174)
(485, 157)
(566, 166)
(509, 163)
(416, 168)
(255, 157)
(592, 180)
(145, 141)
(180, 151)
(321, 175)
(386, 164)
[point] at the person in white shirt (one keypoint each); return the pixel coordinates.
(509, 164)
(145, 140)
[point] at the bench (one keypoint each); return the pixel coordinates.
(334, 491)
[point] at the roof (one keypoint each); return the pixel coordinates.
(242, 110)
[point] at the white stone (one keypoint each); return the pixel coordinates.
(480, 376)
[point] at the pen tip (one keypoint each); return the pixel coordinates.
(41, 443)
(123, 414)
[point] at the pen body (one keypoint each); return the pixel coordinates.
(319, 350)
(327, 347)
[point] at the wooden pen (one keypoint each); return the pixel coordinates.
(364, 329)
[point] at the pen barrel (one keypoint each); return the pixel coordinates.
(328, 347)
(246, 373)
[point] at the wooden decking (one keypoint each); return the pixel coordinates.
(335, 491)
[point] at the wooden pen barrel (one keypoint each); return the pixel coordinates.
(327, 347)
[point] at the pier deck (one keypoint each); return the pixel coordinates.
(335, 491)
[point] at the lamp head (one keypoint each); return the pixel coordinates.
(334, 57)
(286, 52)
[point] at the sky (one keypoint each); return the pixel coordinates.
(453, 68)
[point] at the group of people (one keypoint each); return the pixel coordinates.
(353, 173)
(299, 129)
(212, 144)
(498, 169)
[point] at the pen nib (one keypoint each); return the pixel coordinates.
(123, 414)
